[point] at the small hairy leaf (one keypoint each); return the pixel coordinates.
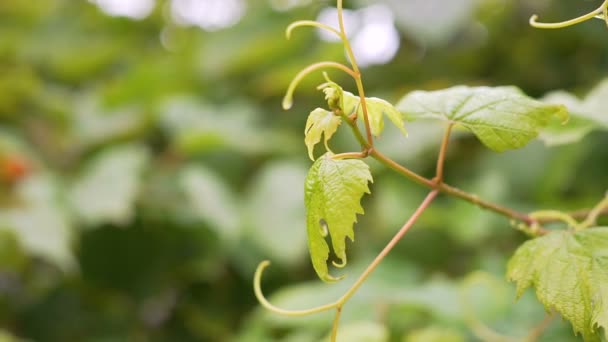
(570, 274)
(502, 118)
(320, 122)
(376, 108)
(332, 195)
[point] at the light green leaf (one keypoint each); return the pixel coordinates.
(585, 115)
(107, 190)
(332, 193)
(376, 108)
(502, 118)
(570, 274)
(320, 122)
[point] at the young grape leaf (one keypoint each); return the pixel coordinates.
(332, 196)
(320, 122)
(585, 115)
(570, 274)
(376, 108)
(502, 118)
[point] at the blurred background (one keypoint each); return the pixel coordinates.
(146, 167)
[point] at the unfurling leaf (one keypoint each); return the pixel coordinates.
(320, 122)
(376, 107)
(333, 192)
(502, 118)
(570, 274)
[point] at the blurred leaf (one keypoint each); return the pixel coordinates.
(107, 190)
(502, 118)
(569, 273)
(585, 115)
(333, 190)
(276, 214)
(365, 331)
(484, 297)
(320, 122)
(92, 125)
(212, 200)
(434, 334)
(196, 127)
(41, 225)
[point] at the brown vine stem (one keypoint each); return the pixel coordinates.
(450, 190)
(357, 74)
(442, 153)
(539, 330)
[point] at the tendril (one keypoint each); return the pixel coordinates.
(257, 287)
(302, 23)
(594, 214)
(600, 13)
(555, 215)
(288, 99)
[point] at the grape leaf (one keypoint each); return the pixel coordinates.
(570, 274)
(332, 195)
(320, 122)
(502, 118)
(376, 108)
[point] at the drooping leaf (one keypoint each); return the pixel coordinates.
(376, 108)
(570, 274)
(502, 118)
(332, 196)
(586, 115)
(320, 122)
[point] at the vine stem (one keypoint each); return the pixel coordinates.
(603, 9)
(594, 213)
(450, 190)
(357, 74)
(539, 330)
(338, 304)
(442, 153)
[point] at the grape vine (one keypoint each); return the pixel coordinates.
(567, 267)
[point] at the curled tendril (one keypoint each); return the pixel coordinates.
(599, 13)
(257, 287)
(301, 23)
(288, 99)
(555, 215)
(594, 213)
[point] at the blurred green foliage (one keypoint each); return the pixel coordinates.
(146, 168)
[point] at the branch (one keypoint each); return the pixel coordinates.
(357, 76)
(442, 153)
